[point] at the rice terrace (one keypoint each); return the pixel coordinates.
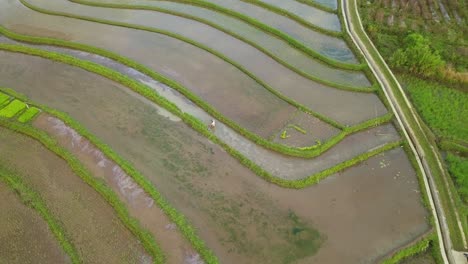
(233, 131)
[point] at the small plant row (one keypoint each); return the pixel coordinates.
(16, 108)
(146, 91)
(203, 47)
(32, 199)
(277, 33)
(322, 7)
(295, 17)
(146, 239)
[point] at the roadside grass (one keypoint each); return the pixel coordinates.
(110, 196)
(427, 143)
(444, 109)
(458, 168)
(13, 108)
(33, 200)
(305, 152)
(28, 115)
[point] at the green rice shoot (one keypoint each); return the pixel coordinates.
(12, 108)
(29, 114)
(3, 98)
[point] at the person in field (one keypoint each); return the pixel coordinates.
(213, 124)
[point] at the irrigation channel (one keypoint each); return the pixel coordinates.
(361, 214)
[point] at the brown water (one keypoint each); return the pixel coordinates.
(242, 218)
(53, 84)
(89, 221)
(346, 107)
(214, 38)
(329, 46)
(24, 236)
(140, 205)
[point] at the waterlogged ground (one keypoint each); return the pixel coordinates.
(87, 218)
(212, 79)
(24, 236)
(358, 215)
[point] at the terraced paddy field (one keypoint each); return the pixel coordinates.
(304, 165)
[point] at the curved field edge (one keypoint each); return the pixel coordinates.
(196, 123)
(304, 152)
(147, 240)
(283, 12)
(417, 247)
(201, 46)
(322, 7)
(433, 159)
(32, 199)
(279, 34)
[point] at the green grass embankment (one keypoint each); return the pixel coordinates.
(306, 152)
(78, 168)
(253, 22)
(33, 200)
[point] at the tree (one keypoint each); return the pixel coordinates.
(417, 56)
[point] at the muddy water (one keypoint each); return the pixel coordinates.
(140, 205)
(217, 39)
(24, 236)
(329, 46)
(217, 86)
(241, 217)
(311, 14)
(36, 77)
(90, 222)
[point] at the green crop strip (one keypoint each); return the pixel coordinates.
(78, 168)
(28, 115)
(12, 109)
(318, 6)
(297, 18)
(289, 40)
(450, 145)
(33, 200)
(417, 248)
(144, 90)
(3, 98)
(203, 47)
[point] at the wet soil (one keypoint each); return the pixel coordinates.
(24, 236)
(140, 205)
(87, 218)
(231, 92)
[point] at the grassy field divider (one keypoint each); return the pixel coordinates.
(147, 240)
(272, 31)
(414, 249)
(322, 7)
(33, 200)
(300, 20)
(449, 145)
(152, 95)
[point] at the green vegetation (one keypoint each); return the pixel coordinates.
(28, 115)
(288, 39)
(458, 168)
(32, 199)
(450, 145)
(12, 109)
(284, 134)
(3, 98)
(312, 3)
(298, 128)
(152, 95)
(444, 109)
(418, 247)
(417, 57)
(78, 168)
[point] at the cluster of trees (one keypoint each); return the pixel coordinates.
(417, 56)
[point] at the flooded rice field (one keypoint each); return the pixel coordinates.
(52, 84)
(90, 222)
(24, 235)
(218, 85)
(140, 205)
(239, 215)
